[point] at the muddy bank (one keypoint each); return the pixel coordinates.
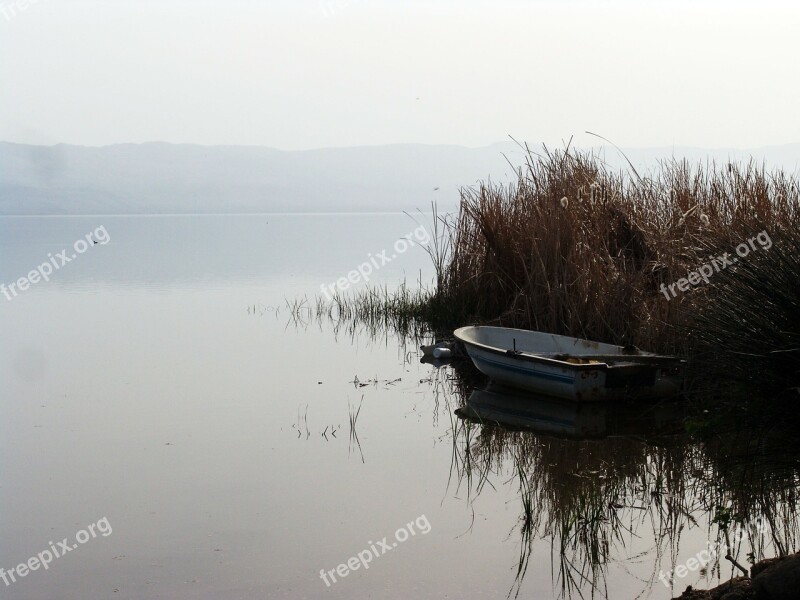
(772, 579)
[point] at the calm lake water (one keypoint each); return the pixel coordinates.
(160, 385)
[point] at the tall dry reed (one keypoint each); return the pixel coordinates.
(576, 248)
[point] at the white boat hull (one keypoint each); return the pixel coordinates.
(518, 358)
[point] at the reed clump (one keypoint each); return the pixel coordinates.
(750, 333)
(575, 248)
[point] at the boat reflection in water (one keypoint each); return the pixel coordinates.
(573, 420)
(581, 470)
(597, 479)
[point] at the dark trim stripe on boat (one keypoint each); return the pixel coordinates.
(526, 370)
(533, 358)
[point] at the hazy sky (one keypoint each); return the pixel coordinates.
(316, 73)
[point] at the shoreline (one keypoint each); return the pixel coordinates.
(770, 579)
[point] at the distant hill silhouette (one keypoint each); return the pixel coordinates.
(179, 178)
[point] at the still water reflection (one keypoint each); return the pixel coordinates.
(162, 381)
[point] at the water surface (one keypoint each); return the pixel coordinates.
(161, 381)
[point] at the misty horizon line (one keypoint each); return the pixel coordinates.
(169, 178)
(519, 143)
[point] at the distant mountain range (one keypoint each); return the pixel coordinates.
(158, 178)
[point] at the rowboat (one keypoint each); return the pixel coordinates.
(570, 368)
